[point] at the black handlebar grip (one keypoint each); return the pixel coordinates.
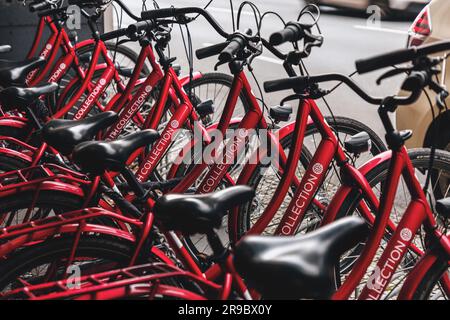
(291, 33)
(234, 46)
(138, 27)
(114, 34)
(210, 51)
(159, 13)
(297, 83)
(385, 60)
(49, 12)
(39, 6)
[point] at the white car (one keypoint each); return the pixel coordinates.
(387, 6)
(432, 24)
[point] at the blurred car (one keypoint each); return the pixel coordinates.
(432, 24)
(387, 6)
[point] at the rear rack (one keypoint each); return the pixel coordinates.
(25, 148)
(35, 176)
(127, 282)
(79, 217)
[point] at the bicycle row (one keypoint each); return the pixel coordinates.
(126, 182)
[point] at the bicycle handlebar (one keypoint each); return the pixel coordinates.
(210, 51)
(39, 6)
(302, 83)
(174, 12)
(291, 33)
(51, 12)
(114, 34)
(139, 26)
(399, 56)
(236, 44)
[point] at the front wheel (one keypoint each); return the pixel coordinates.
(438, 189)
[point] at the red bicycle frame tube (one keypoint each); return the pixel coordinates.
(251, 120)
(417, 213)
(57, 40)
(182, 112)
(126, 282)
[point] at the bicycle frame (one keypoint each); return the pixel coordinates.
(418, 213)
(57, 40)
(127, 104)
(77, 222)
(328, 149)
(128, 282)
(253, 119)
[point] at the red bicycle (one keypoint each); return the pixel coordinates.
(85, 193)
(284, 258)
(74, 56)
(418, 225)
(162, 281)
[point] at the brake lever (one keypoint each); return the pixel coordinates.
(314, 95)
(314, 40)
(218, 64)
(440, 99)
(392, 73)
(441, 94)
(256, 50)
(310, 40)
(183, 19)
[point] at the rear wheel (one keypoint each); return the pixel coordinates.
(431, 287)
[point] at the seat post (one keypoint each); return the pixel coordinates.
(133, 183)
(216, 244)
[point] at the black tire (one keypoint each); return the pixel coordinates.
(376, 177)
(208, 79)
(10, 164)
(352, 127)
(430, 281)
(217, 78)
(420, 159)
(49, 202)
(116, 252)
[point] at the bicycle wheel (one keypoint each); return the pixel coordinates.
(14, 208)
(46, 261)
(431, 286)
(439, 188)
(122, 55)
(265, 184)
(9, 163)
